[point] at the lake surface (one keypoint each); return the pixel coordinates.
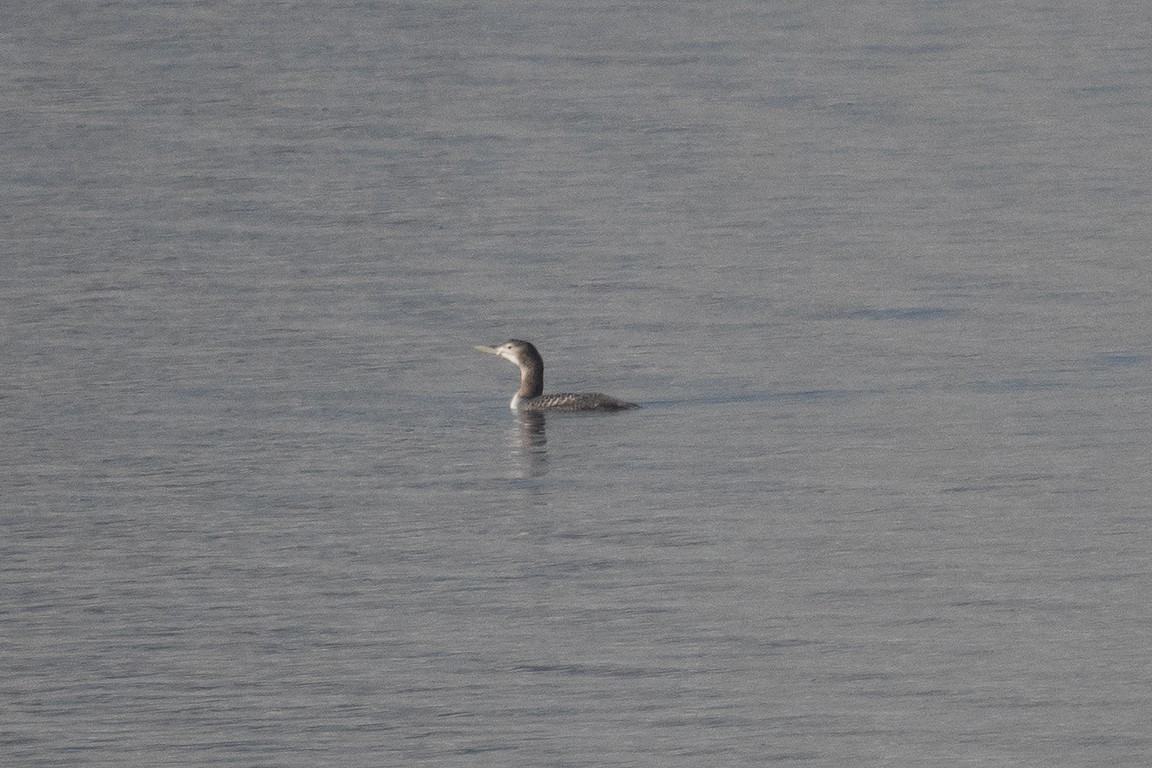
(877, 273)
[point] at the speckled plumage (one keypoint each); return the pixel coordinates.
(572, 402)
(529, 397)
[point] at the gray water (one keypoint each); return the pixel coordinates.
(877, 272)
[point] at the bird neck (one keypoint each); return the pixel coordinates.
(531, 381)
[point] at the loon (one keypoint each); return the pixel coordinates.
(529, 398)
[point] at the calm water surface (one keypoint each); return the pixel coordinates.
(878, 275)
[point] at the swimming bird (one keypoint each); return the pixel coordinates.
(529, 398)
